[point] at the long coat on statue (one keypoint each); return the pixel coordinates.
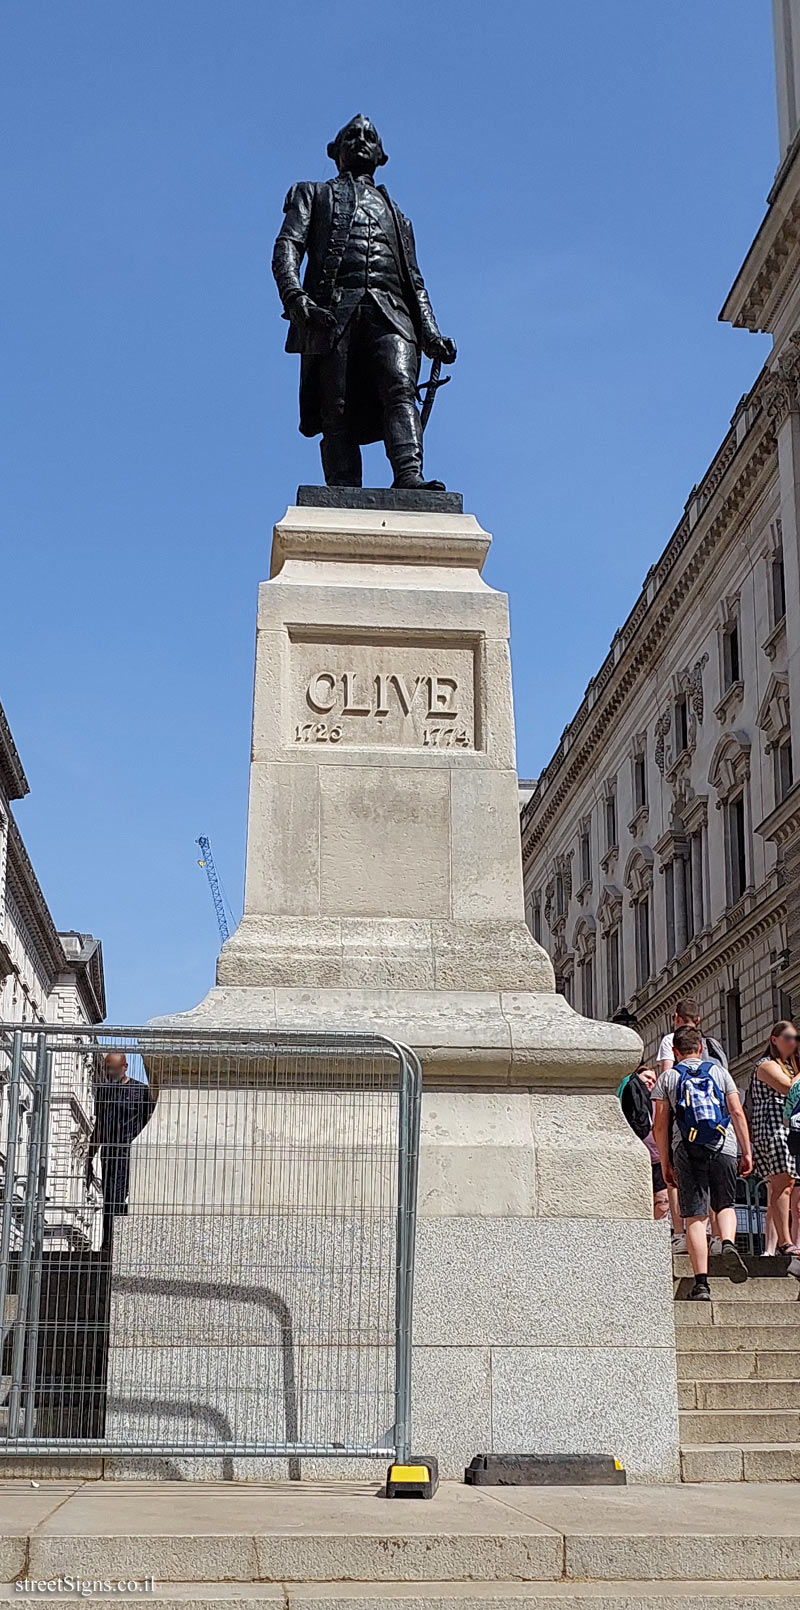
(317, 224)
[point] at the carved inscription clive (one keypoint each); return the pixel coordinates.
(392, 694)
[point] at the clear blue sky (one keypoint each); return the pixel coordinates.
(584, 180)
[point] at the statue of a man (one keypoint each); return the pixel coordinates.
(361, 317)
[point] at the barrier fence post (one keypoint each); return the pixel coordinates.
(10, 1178)
(34, 1300)
(26, 1247)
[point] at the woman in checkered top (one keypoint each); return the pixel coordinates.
(772, 1077)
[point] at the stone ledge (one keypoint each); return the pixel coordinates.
(367, 535)
(466, 1039)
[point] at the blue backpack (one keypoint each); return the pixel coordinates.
(700, 1110)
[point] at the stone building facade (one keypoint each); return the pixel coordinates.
(47, 977)
(661, 843)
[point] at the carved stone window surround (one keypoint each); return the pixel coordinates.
(694, 813)
(680, 766)
(670, 846)
(773, 639)
(730, 766)
(609, 911)
(638, 823)
(730, 701)
(608, 860)
(584, 939)
(638, 878)
(773, 716)
(583, 893)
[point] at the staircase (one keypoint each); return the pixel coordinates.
(739, 1375)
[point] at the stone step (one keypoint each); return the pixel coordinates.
(740, 1426)
(347, 1533)
(733, 1311)
(757, 1462)
(746, 1364)
(779, 1290)
(760, 1269)
(510, 1595)
(726, 1338)
(720, 1395)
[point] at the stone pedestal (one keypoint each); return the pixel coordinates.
(384, 893)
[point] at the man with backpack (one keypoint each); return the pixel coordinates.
(699, 1098)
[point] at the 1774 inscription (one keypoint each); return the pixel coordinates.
(429, 704)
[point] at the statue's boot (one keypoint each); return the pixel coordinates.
(404, 451)
(341, 457)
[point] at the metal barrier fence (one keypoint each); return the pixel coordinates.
(245, 1285)
(751, 1214)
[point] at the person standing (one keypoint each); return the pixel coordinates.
(635, 1097)
(771, 1080)
(687, 1013)
(122, 1108)
(698, 1100)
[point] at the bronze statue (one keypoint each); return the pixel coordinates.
(361, 317)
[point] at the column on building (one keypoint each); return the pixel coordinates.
(786, 18)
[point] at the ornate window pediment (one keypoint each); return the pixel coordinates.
(609, 910)
(773, 715)
(584, 939)
(638, 878)
(730, 767)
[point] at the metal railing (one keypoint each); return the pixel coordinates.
(246, 1291)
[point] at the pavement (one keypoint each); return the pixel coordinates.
(345, 1545)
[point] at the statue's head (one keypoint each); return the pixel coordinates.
(357, 148)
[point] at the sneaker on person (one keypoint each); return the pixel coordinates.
(701, 1291)
(733, 1263)
(679, 1243)
(715, 1246)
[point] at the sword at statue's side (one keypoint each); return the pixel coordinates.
(430, 388)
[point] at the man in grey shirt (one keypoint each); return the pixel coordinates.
(705, 1178)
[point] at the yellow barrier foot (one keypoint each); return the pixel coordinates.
(419, 1479)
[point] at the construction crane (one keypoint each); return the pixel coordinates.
(207, 861)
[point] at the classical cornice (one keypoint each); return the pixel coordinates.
(715, 508)
(13, 781)
(25, 891)
(81, 957)
(770, 267)
(84, 959)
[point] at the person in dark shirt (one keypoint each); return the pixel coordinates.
(122, 1108)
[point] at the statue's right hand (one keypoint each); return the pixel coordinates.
(305, 313)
